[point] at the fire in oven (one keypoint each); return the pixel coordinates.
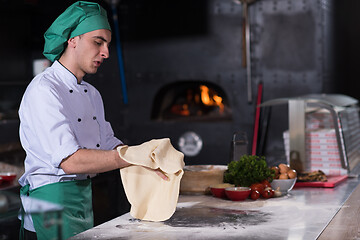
(191, 101)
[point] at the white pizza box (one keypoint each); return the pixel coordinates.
(318, 147)
(324, 165)
(327, 171)
(322, 159)
(319, 119)
(321, 133)
(323, 150)
(319, 159)
(319, 153)
(327, 141)
(316, 124)
(322, 147)
(315, 134)
(318, 141)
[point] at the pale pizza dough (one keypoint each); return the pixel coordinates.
(151, 197)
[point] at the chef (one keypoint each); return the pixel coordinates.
(62, 125)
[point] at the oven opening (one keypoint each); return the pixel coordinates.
(191, 101)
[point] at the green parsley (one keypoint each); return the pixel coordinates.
(247, 170)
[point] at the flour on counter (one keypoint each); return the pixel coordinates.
(205, 217)
(186, 204)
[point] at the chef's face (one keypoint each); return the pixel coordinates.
(91, 50)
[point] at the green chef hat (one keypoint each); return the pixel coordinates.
(79, 18)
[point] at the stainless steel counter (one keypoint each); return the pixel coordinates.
(302, 214)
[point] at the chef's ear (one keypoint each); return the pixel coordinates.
(72, 41)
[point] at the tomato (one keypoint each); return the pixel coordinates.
(258, 187)
(272, 191)
(267, 194)
(255, 195)
(266, 183)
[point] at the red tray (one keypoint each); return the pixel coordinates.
(331, 182)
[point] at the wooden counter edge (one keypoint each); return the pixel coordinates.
(346, 223)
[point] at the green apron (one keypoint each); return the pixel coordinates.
(77, 216)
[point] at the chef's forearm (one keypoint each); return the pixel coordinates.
(92, 161)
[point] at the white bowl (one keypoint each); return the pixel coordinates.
(285, 185)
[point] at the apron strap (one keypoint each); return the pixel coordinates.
(24, 191)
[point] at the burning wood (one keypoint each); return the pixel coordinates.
(210, 98)
(198, 102)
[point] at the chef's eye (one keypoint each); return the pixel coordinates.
(98, 43)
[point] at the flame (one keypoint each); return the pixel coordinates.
(210, 98)
(181, 109)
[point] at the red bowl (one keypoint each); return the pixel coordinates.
(237, 193)
(218, 190)
(7, 176)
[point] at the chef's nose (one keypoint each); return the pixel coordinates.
(105, 51)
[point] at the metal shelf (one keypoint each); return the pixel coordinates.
(340, 108)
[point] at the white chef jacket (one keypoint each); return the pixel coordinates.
(58, 116)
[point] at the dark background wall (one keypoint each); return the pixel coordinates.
(347, 37)
(297, 47)
(23, 23)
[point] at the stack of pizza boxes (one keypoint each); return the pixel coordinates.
(322, 151)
